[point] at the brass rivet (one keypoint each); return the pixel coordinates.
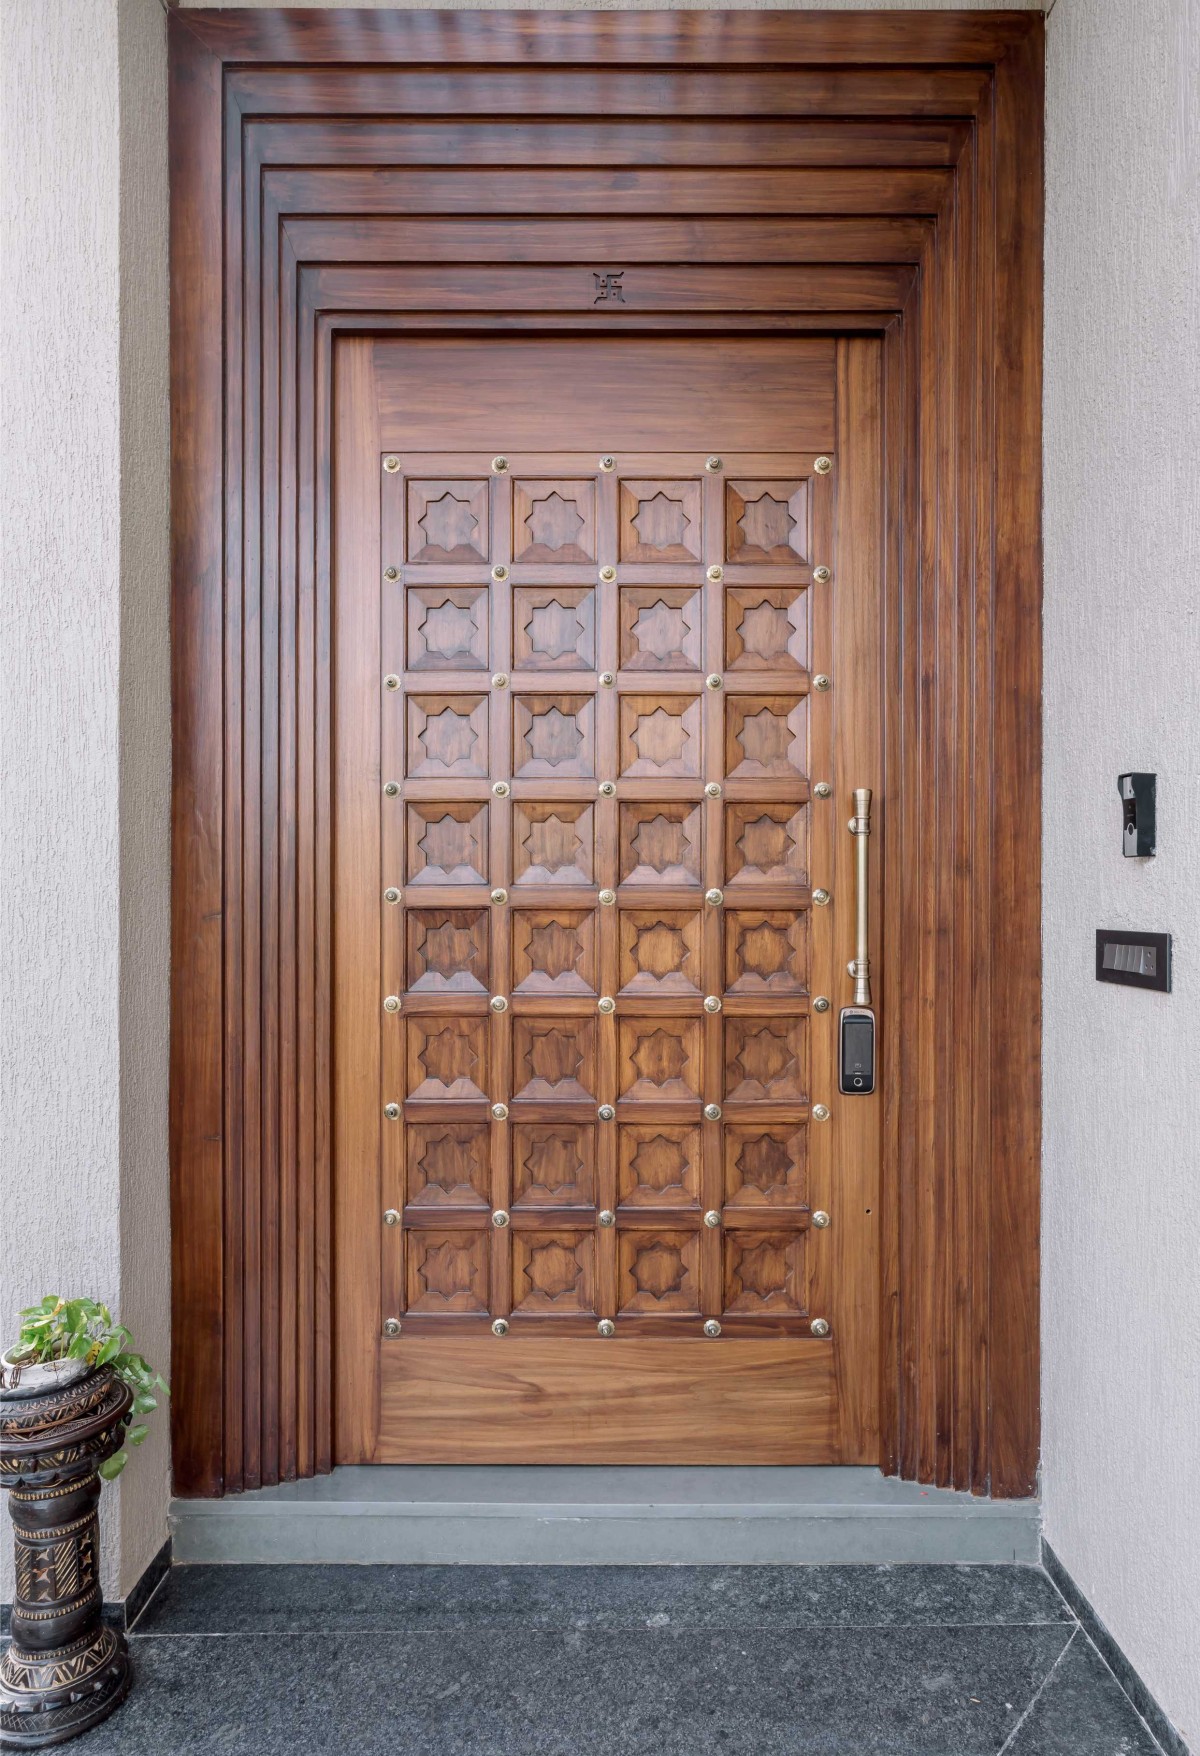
(392, 1326)
(822, 789)
(391, 681)
(820, 681)
(392, 1112)
(606, 1326)
(713, 682)
(391, 1217)
(498, 1003)
(391, 465)
(391, 894)
(820, 1112)
(499, 896)
(716, 574)
(712, 464)
(821, 575)
(712, 1112)
(712, 1003)
(500, 1112)
(712, 1328)
(499, 574)
(607, 788)
(500, 680)
(392, 1003)
(714, 898)
(712, 1219)
(607, 898)
(501, 789)
(607, 679)
(606, 1217)
(820, 1004)
(500, 1326)
(823, 465)
(607, 464)
(820, 897)
(820, 1219)
(606, 1004)
(818, 1326)
(391, 788)
(499, 464)
(713, 789)
(606, 1112)
(499, 1219)
(608, 574)
(391, 573)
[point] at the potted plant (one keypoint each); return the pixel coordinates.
(72, 1394)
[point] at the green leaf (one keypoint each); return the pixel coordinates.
(112, 1466)
(52, 1302)
(143, 1402)
(135, 1435)
(79, 1347)
(109, 1351)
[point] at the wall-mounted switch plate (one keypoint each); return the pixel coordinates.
(1136, 960)
(1137, 802)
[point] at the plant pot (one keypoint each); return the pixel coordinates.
(25, 1379)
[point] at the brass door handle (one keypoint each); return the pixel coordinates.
(859, 966)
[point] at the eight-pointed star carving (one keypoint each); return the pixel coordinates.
(554, 1056)
(553, 737)
(448, 1056)
(553, 1270)
(552, 843)
(449, 523)
(448, 737)
(553, 629)
(660, 736)
(445, 1162)
(660, 522)
(759, 1269)
(449, 629)
(764, 1162)
(660, 1058)
(447, 949)
(767, 523)
(660, 629)
(659, 1163)
(658, 1270)
(554, 523)
(764, 950)
(765, 630)
(553, 1163)
(764, 1056)
(765, 737)
(766, 843)
(554, 948)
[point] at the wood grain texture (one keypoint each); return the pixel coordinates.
(252, 1079)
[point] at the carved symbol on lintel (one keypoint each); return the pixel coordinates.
(609, 289)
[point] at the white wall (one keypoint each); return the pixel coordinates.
(84, 879)
(1121, 1174)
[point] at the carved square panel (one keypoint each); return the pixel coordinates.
(766, 735)
(766, 844)
(660, 843)
(447, 1272)
(447, 628)
(766, 951)
(766, 522)
(659, 951)
(766, 628)
(764, 1274)
(448, 950)
(448, 1164)
(554, 522)
(765, 1059)
(766, 1167)
(660, 736)
(553, 1273)
(660, 628)
(554, 737)
(447, 735)
(658, 1273)
(554, 951)
(659, 1057)
(552, 842)
(554, 1059)
(658, 1166)
(554, 628)
(660, 521)
(447, 1057)
(553, 1165)
(448, 521)
(447, 844)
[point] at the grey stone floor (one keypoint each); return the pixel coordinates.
(616, 1661)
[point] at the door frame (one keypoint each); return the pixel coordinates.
(939, 248)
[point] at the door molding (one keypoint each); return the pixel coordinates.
(896, 190)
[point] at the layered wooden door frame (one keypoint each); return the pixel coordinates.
(906, 201)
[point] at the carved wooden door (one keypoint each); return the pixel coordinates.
(605, 684)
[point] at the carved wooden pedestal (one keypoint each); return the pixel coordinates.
(65, 1670)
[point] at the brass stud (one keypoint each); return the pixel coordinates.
(499, 465)
(607, 464)
(500, 680)
(392, 1326)
(606, 1217)
(823, 465)
(713, 464)
(712, 1003)
(392, 1217)
(607, 788)
(822, 789)
(501, 789)
(714, 898)
(820, 897)
(391, 465)
(821, 575)
(391, 894)
(392, 1112)
(713, 789)
(820, 1004)
(500, 1112)
(499, 896)
(500, 1326)
(820, 1219)
(608, 574)
(391, 788)
(712, 1328)
(391, 573)
(712, 1112)
(818, 1326)
(607, 898)
(821, 681)
(716, 574)
(392, 1003)
(712, 1219)
(606, 1004)
(606, 1326)
(500, 1219)
(499, 574)
(607, 679)
(391, 681)
(498, 1003)
(606, 1112)
(714, 682)
(820, 1112)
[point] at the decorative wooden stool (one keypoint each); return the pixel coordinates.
(65, 1669)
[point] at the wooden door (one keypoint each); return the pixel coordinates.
(607, 671)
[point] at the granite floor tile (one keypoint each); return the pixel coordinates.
(664, 1692)
(294, 1599)
(1082, 1711)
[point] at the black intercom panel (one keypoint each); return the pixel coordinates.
(856, 1052)
(1138, 799)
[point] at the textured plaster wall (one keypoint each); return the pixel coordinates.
(84, 874)
(1121, 1159)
